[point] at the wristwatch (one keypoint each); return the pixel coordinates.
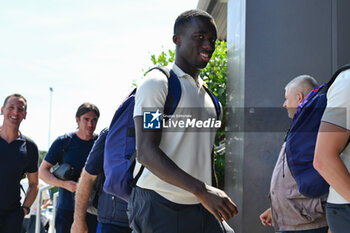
(26, 208)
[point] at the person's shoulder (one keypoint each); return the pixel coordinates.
(340, 86)
(154, 79)
(31, 147)
(104, 132)
(345, 78)
(345, 74)
(30, 141)
(342, 79)
(66, 136)
(63, 140)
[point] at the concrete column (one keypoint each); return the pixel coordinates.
(269, 43)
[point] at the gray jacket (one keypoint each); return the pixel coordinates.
(290, 210)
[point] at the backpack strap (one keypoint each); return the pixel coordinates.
(174, 94)
(218, 112)
(335, 75)
(174, 90)
(215, 101)
(324, 88)
(214, 178)
(67, 140)
(330, 82)
(133, 184)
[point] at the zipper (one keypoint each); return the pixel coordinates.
(284, 153)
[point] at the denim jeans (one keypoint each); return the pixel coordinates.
(338, 217)
(111, 228)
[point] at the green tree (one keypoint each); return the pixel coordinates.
(42, 154)
(214, 74)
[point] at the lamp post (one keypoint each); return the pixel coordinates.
(48, 143)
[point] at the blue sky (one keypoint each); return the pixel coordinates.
(87, 51)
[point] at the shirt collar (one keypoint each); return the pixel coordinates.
(181, 74)
(21, 137)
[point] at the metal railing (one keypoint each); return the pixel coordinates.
(52, 221)
(38, 209)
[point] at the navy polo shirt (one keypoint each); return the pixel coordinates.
(15, 160)
(94, 162)
(111, 209)
(77, 152)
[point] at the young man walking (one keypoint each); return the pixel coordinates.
(72, 149)
(175, 192)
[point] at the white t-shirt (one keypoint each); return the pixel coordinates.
(190, 149)
(338, 113)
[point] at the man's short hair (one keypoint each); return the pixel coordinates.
(17, 96)
(302, 84)
(87, 107)
(187, 16)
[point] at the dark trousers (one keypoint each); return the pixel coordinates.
(338, 217)
(11, 222)
(149, 212)
(29, 224)
(111, 228)
(64, 221)
(318, 230)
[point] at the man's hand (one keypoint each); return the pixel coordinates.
(25, 211)
(265, 218)
(218, 203)
(79, 227)
(71, 186)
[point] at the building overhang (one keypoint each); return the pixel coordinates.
(218, 9)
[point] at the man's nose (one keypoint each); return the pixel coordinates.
(208, 45)
(284, 104)
(16, 110)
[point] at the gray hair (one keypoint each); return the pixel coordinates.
(302, 84)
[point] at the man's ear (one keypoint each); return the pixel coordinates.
(77, 120)
(2, 111)
(25, 115)
(177, 40)
(300, 97)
